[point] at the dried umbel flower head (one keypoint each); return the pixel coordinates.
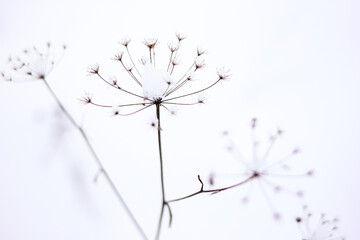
(34, 63)
(157, 85)
(151, 42)
(260, 169)
(321, 228)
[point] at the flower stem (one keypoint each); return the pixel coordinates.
(98, 161)
(161, 172)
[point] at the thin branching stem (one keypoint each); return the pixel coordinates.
(118, 87)
(177, 87)
(172, 69)
(130, 73)
(170, 60)
(176, 84)
(213, 191)
(98, 161)
(189, 94)
(183, 104)
(139, 110)
(122, 105)
(137, 70)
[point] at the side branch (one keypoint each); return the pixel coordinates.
(212, 191)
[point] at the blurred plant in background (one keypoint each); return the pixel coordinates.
(323, 228)
(264, 169)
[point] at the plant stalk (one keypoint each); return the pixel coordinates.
(161, 172)
(98, 161)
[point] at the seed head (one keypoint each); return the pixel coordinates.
(125, 41)
(180, 36)
(151, 42)
(173, 46)
(86, 98)
(200, 51)
(199, 63)
(113, 80)
(118, 56)
(94, 69)
(223, 73)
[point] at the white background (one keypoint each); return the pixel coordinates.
(294, 66)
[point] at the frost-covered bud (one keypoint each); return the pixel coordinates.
(113, 80)
(175, 61)
(223, 73)
(200, 52)
(151, 42)
(115, 110)
(180, 36)
(125, 41)
(173, 46)
(94, 69)
(199, 63)
(201, 98)
(87, 98)
(118, 56)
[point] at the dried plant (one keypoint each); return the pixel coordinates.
(157, 88)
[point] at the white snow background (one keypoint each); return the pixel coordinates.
(294, 65)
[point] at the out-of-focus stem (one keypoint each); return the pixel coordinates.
(98, 161)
